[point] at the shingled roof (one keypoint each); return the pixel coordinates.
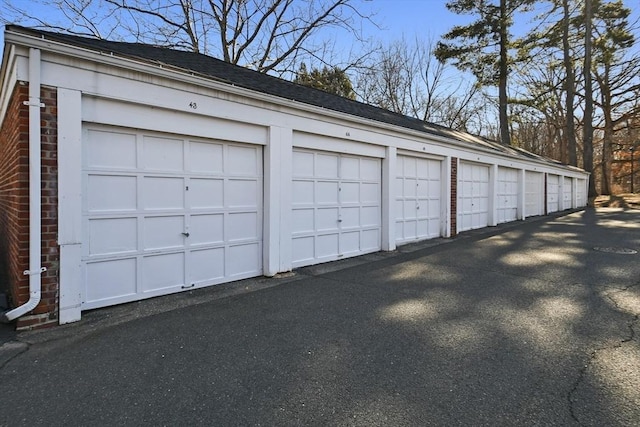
(215, 69)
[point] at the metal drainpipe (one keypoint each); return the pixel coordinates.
(35, 269)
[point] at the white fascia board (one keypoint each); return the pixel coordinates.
(252, 97)
(8, 78)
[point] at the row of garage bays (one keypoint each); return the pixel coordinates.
(165, 213)
(175, 171)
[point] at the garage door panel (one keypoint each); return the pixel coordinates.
(303, 164)
(327, 219)
(242, 193)
(349, 168)
(400, 188)
(483, 204)
(370, 192)
(244, 260)
(112, 236)
(409, 190)
(399, 211)
(350, 242)
(434, 171)
(409, 166)
(303, 193)
(242, 161)
(326, 166)
(467, 222)
(370, 216)
(350, 192)
(420, 189)
(107, 193)
(207, 265)
(400, 227)
(410, 210)
(206, 158)
(480, 189)
(206, 193)
(206, 229)
(370, 169)
(241, 226)
(422, 227)
(304, 249)
(163, 232)
(433, 210)
(111, 150)
(327, 245)
(163, 154)
(110, 279)
(370, 240)
(327, 192)
(161, 193)
(426, 171)
(163, 271)
(303, 220)
(350, 217)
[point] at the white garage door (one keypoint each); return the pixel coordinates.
(567, 191)
(534, 193)
(336, 206)
(418, 192)
(507, 195)
(164, 213)
(473, 196)
(581, 192)
(553, 193)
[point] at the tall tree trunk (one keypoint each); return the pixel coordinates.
(570, 129)
(587, 137)
(607, 140)
(505, 136)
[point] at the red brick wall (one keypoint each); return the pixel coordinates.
(454, 196)
(14, 206)
(546, 194)
(14, 195)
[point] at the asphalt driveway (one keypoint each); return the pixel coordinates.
(532, 323)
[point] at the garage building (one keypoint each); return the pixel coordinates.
(129, 171)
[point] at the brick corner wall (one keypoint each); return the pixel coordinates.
(14, 206)
(454, 196)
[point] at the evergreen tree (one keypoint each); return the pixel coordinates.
(482, 47)
(332, 80)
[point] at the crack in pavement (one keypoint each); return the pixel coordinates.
(593, 356)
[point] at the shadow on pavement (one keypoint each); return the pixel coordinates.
(528, 326)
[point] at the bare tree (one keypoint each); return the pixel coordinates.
(266, 35)
(406, 78)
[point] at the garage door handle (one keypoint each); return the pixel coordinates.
(185, 234)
